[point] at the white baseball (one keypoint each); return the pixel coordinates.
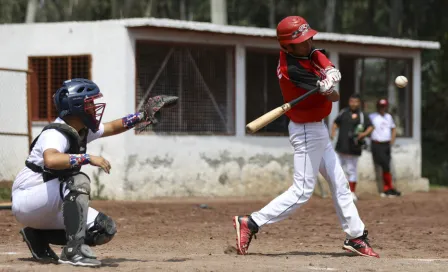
(401, 81)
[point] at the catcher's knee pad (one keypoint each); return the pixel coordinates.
(102, 232)
(76, 205)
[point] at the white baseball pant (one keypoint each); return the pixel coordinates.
(350, 164)
(313, 153)
(40, 206)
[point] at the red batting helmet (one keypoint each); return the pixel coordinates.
(294, 29)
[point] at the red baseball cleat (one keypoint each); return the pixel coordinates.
(245, 228)
(360, 246)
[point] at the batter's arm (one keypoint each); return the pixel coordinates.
(302, 78)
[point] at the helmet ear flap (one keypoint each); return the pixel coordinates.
(60, 99)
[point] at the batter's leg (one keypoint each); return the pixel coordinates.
(346, 211)
(309, 141)
(342, 198)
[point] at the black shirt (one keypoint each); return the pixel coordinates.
(347, 122)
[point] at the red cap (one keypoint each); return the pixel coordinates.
(383, 102)
(294, 29)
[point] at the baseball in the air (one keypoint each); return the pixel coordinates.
(401, 81)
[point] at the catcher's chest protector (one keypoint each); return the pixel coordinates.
(78, 145)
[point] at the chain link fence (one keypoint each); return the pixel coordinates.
(202, 76)
(15, 126)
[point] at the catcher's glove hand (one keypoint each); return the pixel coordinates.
(151, 110)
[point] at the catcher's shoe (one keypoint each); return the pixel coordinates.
(79, 255)
(245, 228)
(360, 246)
(39, 248)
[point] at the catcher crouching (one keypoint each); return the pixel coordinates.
(51, 195)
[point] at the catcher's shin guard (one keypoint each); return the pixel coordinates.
(75, 207)
(74, 210)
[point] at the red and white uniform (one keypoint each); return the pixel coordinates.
(313, 151)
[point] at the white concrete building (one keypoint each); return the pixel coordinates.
(224, 76)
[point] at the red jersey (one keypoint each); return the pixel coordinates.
(298, 76)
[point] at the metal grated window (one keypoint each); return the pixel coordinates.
(263, 90)
(48, 75)
(202, 76)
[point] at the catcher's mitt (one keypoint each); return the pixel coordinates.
(151, 110)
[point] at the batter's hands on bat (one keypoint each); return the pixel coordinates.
(151, 110)
(100, 162)
(333, 74)
(326, 86)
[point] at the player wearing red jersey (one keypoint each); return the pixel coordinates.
(301, 68)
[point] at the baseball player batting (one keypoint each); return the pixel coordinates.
(301, 68)
(50, 196)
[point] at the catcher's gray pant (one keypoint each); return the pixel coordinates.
(313, 153)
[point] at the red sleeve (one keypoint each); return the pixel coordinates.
(320, 59)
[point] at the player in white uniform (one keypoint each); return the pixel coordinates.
(301, 68)
(383, 137)
(50, 196)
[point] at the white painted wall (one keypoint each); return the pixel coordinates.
(145, 166)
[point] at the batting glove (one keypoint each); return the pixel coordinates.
(326, 86)
(333, 74)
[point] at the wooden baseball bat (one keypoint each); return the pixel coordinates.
(269, 117)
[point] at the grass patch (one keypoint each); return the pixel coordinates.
(435, 187)
(5, 190)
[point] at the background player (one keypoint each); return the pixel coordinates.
(301, 68)
(354, 125)
(50, 195)
(383, 137)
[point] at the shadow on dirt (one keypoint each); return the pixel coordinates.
(114, 262)
(302, 253)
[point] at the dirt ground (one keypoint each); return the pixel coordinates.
(409, 233)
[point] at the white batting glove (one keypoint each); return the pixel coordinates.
(326, 86)
(333, 74)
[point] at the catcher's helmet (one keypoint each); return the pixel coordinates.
(76, 97)
(294, 29)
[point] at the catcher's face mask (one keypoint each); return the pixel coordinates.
(94, 111)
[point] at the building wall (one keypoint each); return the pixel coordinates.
(13, 91)
(145, 166)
